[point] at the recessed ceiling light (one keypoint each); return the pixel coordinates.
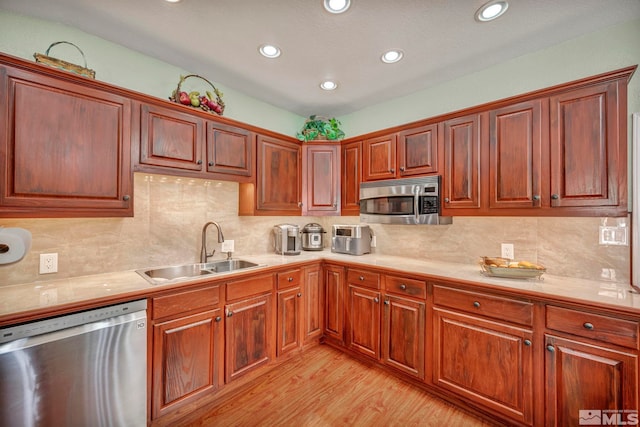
(270, 51)
(491, 11)
(329, 85)
(337, 6)
(392, 56)
(172, 1)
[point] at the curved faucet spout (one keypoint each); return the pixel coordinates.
(203, 251)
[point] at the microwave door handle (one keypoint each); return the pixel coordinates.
(416, 210)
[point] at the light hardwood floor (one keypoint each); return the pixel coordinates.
(324, 387)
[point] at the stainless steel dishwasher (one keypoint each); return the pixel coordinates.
(82, 369)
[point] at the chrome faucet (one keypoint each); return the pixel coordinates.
(203, 251)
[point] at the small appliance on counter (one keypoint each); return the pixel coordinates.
(351, 239)
(287, 239)
(313, 237)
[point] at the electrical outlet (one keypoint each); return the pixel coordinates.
(227, 246)
(48, 263)
(507, 250)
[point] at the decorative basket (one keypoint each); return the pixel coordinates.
(64, 65)
(196, 100)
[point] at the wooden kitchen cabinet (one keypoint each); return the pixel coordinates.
(334, 282)
(65, 146)
(518, 175)
(363, 312)
(403, 335)
(230, 150)
(278, 186)
(249, 323)
(321, 179)
(313, 300)
(186, 351)
(418, 150)
(461, 178)
(290, 311)
(351, 177)
(379, 158)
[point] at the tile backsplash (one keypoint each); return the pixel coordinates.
(170, 212)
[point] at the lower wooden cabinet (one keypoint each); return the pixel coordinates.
(289, 320)
(334, 303)
(489, 363)
(403, 335)
(584, 380)
(313, 300)
(363, 312)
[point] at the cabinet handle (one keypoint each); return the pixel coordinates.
(229, 314)
(290, 279)
(527, 342)
(446, 200)
(555, 196)
(210, 163)
(392, 170)
(361, 278)
(376, 300)
(299, 294)
(299, 204)
(588, 325)
(401, 168)
(218, 318)
(403, 286)
(386, 302)
(126, 197)
(476, 304)
(536, 197)
(551, 348)
(199, 162)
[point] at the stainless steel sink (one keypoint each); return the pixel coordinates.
(186, 271)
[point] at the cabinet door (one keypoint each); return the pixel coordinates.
(515, 158)
(351, 178)
(279, 176)
(230, 150)
(418, 151)
(379, 155)
(186, 357)
(334, 300)
(248, 336)
(404, 334)
(461, 182)
(487, 362)
(582, 378)
(65, 148)
(313, 298)
(363, 312)
(321, 179)
(586, 147)
(170, 138)
(289, 320)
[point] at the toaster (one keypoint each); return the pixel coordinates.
(351, 239)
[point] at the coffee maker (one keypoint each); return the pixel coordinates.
(287, 239)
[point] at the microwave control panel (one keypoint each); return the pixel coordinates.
(429, 205)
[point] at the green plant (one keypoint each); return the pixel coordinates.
(317, 126)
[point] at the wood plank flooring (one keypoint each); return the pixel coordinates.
(324, 387)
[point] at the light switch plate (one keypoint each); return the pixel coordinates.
(617, 236)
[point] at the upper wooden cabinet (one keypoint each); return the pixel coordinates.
(177, 142)
(64, 148)
(278, 186)
(320, 179)
(351, 177)
(418, 151)
(379, 158)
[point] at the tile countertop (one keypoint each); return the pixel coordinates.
(16, 300)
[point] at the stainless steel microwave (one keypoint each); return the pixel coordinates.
(402, 201)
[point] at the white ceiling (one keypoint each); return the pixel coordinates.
(219, 40)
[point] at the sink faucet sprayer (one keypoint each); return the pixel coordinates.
(203, 252)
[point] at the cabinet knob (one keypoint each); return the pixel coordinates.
(551, 348)
(403, 286)
(230, 313)
(476, 304)
(536, 197)
(401, 168)
(527, 342)
(555, 196)
(376, 300)
(126, 197)
(386, 302)
(361, 278)
(210, 163)
(299, 294)
(446, 200)
(392, 170)
(199, 162)
(218, 318)
(588, 325)
(290, 279)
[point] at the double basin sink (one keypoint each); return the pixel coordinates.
(179, 272)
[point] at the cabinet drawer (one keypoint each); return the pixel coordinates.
(249, 287)
(364, 278)
(287, 279)
(595, 326)
(182, 302)
(406, 287)
(510, 310)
